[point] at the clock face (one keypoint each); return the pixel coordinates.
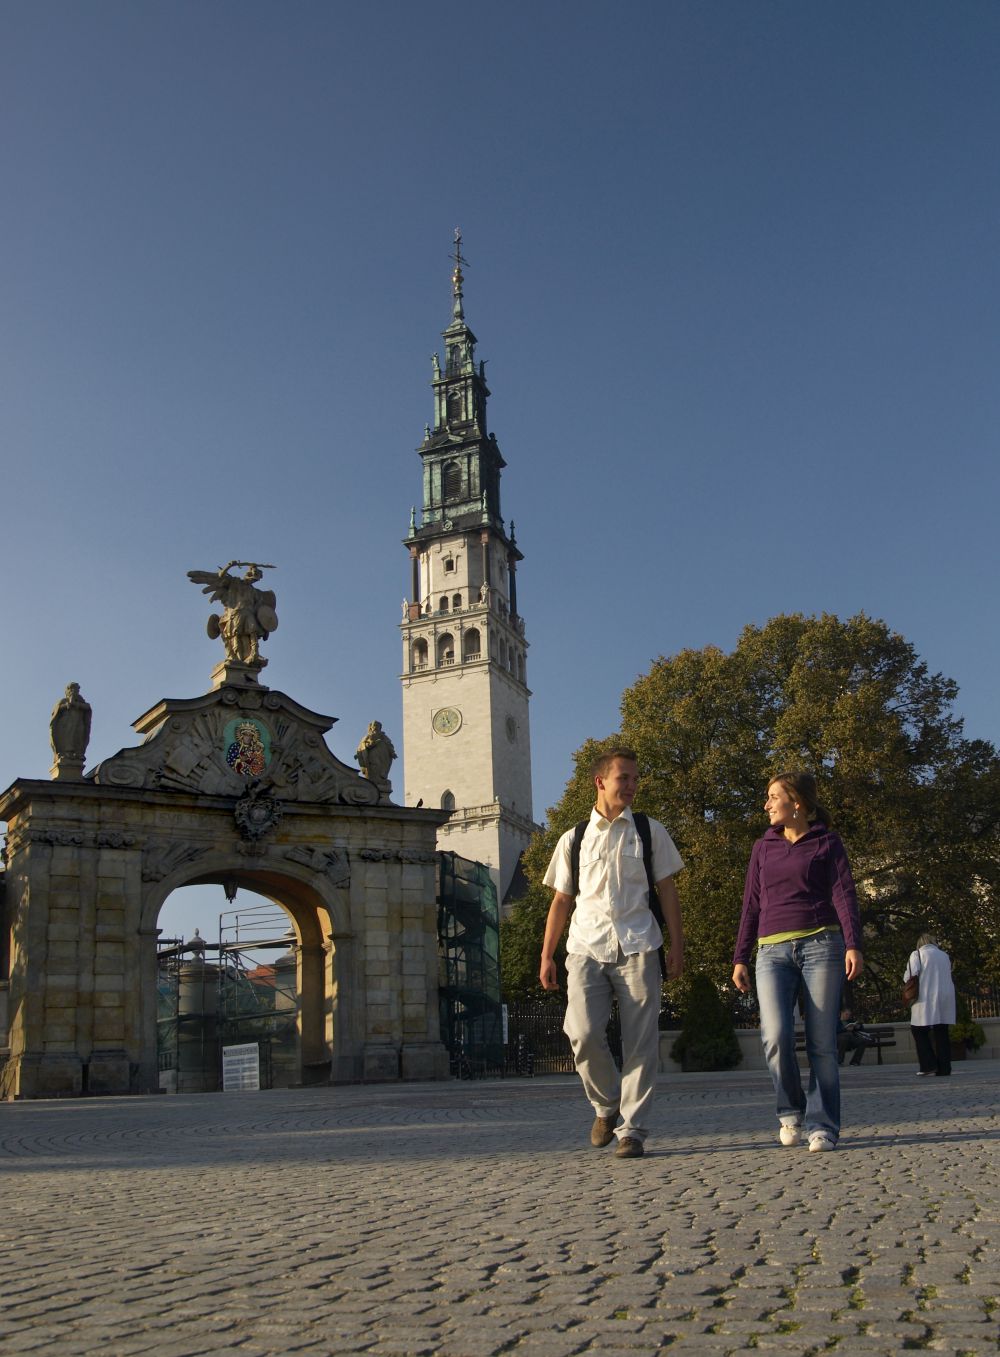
(447, 720)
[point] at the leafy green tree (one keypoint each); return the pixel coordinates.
(917, 804)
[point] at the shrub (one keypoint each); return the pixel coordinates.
(707, 1040)
(968, 1033)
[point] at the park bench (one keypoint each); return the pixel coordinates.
(881, 1036)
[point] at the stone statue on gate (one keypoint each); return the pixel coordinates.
(375, 754)
(248, 617)
(69, 733)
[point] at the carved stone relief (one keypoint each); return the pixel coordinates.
(395, 855)
(162, 858)
(336, 865)
(218, 744)
(63, 838)
(257, 812)
(113, 838)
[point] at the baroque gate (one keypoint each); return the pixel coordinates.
(237, 786)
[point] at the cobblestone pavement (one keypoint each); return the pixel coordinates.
(474, 1219)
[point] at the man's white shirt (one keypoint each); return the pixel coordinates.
(612, 906)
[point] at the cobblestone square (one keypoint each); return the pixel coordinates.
(473, 1219)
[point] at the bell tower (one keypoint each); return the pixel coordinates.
(465, 694)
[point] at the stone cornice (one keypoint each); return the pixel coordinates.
(48, 798)
(493, 810)
(257, 698)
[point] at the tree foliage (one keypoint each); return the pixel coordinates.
(917, 804)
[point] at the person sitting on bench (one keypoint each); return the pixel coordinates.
(851, 1036)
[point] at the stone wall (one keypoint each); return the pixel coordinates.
(903, 1053)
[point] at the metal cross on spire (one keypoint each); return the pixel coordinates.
(457, 278)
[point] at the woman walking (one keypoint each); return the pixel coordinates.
(800, 908)
(934, 1010)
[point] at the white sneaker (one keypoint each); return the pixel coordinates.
(820, 1141)
(790, 1135)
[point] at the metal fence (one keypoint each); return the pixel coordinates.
(536, 1043)
(869, 1007)
(985, 1004)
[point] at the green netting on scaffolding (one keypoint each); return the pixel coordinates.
(469, 965)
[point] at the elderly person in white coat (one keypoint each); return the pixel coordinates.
(934, 1010)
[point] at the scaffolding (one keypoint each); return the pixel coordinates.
(259, 1002)
(204, 1006)
(469, 967)
(187, 1030)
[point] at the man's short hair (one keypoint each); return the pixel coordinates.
(600, 766)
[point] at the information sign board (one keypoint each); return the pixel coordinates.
(240, 1067)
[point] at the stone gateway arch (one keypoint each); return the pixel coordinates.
(236, 786)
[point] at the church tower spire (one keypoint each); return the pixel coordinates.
(465, 694)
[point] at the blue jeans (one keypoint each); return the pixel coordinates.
(816, 966)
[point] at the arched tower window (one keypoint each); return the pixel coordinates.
(471, 644)
(419, 655)
(451, 480)
(443, 603)
(448, 801)
(520, 666)
(446, 648)
(455, 407)
(456, 601)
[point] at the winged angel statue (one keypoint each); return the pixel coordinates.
(248, 617)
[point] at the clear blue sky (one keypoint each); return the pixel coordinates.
(733, 265)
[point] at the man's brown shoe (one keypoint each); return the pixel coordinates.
(603, 1130)
(629, 1148)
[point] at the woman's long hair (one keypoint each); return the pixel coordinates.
(801, 786)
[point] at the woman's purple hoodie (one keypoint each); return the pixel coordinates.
(793, 887)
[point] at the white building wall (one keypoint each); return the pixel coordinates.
(486, 763)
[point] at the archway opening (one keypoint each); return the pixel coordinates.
(229, 991)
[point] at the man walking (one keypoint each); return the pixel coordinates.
(614, 947)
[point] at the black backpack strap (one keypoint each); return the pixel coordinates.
(646, 836)
(574, 855)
